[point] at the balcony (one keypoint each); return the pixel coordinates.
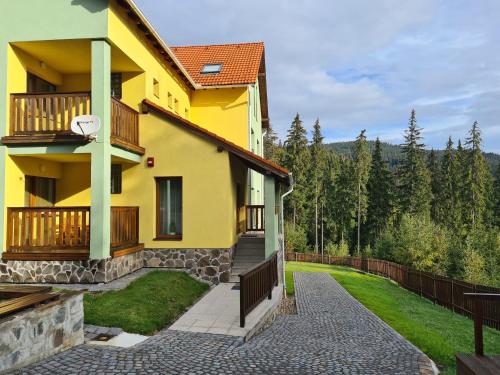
(46, 119)
(63, 233)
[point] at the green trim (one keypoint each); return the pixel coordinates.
(53, 149)
(271, 232)
(31, 20)
(100, 215)
(124, 154)
(3, 131)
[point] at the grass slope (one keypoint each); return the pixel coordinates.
(438, 332)
(147, 305)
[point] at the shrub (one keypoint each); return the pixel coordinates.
(338, 250)
(295, 239)
(421, 244)
(385, 245)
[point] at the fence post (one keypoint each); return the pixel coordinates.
(452, 298)
(295, 256)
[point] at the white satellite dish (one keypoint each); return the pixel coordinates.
(86, 125)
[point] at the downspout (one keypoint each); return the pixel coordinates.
(249, 115)
(283, 229)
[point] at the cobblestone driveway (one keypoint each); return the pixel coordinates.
(332, 334)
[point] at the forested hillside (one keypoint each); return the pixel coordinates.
(436, 211)
(392, 153)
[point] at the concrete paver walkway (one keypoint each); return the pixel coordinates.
(331, 334)
(218, 312)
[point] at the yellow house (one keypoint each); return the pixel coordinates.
(173, 177)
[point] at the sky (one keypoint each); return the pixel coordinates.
(360, 64)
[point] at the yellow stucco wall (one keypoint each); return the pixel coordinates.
(222, 111)
(72, 180)
(73, 187)
(123, 33)
(208, 187)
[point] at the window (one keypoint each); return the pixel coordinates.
(211, 68)
(176, 106)
(156, 88)
(186, 114)
(116, 178)
(37, 85)
(40, 191)
(169, 208)
(170, 100)
(116, 85)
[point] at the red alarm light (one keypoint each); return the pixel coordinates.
(150, 162)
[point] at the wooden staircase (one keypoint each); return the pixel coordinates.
(249, 252)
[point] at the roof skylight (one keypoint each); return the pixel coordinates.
(211, 68)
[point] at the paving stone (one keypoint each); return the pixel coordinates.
(331, 334)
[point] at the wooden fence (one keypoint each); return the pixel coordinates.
(256, 284)
(440, 290)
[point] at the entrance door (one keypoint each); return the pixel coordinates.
(40, 191)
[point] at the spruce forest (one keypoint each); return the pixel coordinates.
(436, 212)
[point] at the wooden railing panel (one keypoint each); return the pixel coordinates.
(447, 292)
(124, 123)
(124, 226)
(49, 113)
(256, 284)
(42, 229)
(255, 218)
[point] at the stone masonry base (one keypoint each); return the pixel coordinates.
(39, 332)
(212, 265)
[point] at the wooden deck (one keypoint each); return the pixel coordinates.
(63, 233)
(470, 364)
(22, 297)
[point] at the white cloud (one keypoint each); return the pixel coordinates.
(441, 57)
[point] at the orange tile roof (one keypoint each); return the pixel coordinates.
(240, 62)
(255, 161)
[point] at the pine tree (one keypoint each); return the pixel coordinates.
(448, 201)
(317, 174)
(476, 181)
(272, 149)
(343, 200)
(380, 198)
(496, 197)
(413, 179)
(297, 160)
(435, 173)
(362, 162)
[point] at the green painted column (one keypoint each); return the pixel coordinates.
(101, 152)
(3, 131)
(271, 232)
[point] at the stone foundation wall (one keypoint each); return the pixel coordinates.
(212, 265)
(40, 332)
(69, 271)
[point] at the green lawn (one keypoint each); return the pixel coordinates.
(147, 305)
(438, 332)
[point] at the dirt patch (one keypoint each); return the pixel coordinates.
(288, 306)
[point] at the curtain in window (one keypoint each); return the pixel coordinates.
(170, 206)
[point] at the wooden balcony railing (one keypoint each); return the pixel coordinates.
(256, 284)
(46, 118)
(255, 218)
(46, 113)
(125, 126)
(39, 233)
(124, 227)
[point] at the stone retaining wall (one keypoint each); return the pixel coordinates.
(69, 271)
(37, 333)
(212, 265)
